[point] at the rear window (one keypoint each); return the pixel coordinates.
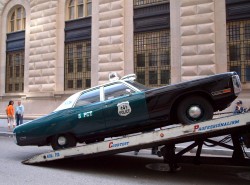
(138, 85)
(116, 90)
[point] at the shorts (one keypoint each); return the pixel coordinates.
(11, 121)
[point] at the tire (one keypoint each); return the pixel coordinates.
(194, 109)
(63, 141)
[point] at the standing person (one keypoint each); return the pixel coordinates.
(19, 113)
(10, 114)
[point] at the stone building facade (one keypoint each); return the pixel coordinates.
(197, 45)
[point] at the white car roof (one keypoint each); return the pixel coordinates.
(70, 101)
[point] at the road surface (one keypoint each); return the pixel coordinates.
(122, 169)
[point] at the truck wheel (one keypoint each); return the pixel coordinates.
(194, 109)
(63, 141)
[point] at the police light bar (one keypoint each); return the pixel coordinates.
(113, 77)
(129, 77)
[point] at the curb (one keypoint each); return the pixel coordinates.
(6, 134)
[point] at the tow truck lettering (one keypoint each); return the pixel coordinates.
(218, 125)
(115, 145)
(57, 154)
(85, 114)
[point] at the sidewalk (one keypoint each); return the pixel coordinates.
(4, 128)
(4, 131)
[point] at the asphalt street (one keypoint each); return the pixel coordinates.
(122, 169)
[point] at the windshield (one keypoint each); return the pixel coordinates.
(69, 102)
(139, 86)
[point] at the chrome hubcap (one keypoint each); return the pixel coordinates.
(61, 140)
(194, 112)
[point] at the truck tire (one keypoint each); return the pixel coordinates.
(63, 141)
(194, 109)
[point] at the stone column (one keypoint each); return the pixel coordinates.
(2, 52)
(60, 38)
(109, 30)
(43, 37)
(202, 40)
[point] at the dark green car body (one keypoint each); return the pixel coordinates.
(86, 122)
(125, 107)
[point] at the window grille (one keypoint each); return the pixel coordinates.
(79, 9)
(238, 46)
(152, 57)
(77, 65)
(138, 3)
(15, 72)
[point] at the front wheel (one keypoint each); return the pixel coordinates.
(63, 141)
(194, 109)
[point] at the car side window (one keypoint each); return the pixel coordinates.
(88, 98)
(116, 90)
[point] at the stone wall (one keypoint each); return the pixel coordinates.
(43, 37)
(198, 46)
(108, 38)
(43, 20)
(197, 26)
(2, 4)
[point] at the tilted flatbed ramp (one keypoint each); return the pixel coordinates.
(233, 125)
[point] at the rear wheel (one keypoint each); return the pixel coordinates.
(63, 141)
(194, 109)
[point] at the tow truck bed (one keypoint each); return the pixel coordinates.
(199, 133)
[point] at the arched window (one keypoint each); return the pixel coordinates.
(17, 19)
(15, 49)
(79, 9)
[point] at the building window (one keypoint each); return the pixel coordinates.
(15, 71)
(138, 3)
(238, 39)
(79, 9)
(17, 19)
(152, 57)
(77, 65)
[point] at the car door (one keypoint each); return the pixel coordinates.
(124, 107)
(89, 113)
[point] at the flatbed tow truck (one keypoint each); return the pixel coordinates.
(236, 126)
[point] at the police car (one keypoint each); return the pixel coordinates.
(124, 106)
